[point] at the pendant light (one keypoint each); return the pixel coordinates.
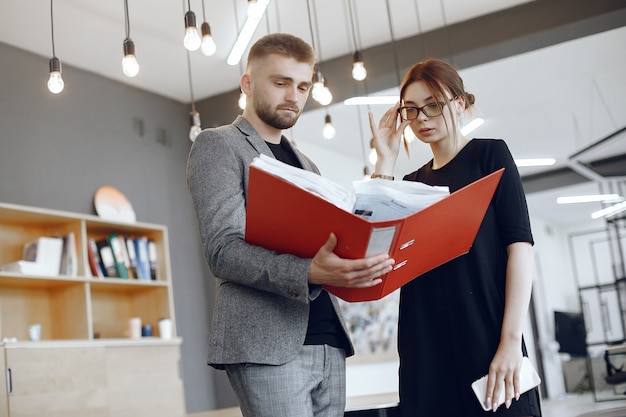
(329, 130)
(254, 14)
(194, 117)
(359, 72)
(319, 91)
(130, 66)
(55, 82)
(192, 39)
(207, 46)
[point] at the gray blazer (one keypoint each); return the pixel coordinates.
(262, 297)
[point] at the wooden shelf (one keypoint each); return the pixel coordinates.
(84, 351)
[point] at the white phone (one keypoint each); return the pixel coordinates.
(528, 380)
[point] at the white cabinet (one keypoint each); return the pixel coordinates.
(97, 379)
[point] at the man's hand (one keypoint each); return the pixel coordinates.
(329, 269)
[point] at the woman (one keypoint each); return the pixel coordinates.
(463, 319)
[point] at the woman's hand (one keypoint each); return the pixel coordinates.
(387, 137)
(504, 374)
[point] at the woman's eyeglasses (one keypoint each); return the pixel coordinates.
(430, 110)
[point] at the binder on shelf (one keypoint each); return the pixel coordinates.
(143, 258)
(153, 258)
(121, 259)
(132, 256)
(95, 263)
(298, 222)
(106, 256)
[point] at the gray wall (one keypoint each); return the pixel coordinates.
(55, 151)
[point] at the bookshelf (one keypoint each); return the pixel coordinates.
(83, 316)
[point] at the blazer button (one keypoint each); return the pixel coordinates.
(293, 293)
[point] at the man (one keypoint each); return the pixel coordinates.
(277, 333)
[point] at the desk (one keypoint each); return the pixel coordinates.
(378, 405)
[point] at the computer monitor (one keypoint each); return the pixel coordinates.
(570, 333)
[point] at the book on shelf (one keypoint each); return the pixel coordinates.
(95, 263)
(69, 257)
(107, 258)
(45, 251)
(298, 219)
(41, 256)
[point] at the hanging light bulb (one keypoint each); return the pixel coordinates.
(194, 122)
(130, 66)
(329, 130)
(208, 46)
(192, 39)
(320, 92)
(359, 72)
(242, 101)
(55, 82)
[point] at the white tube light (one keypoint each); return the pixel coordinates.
(255, 14)
(535, 162)
(361, 101)
(589, 198)
(609, 211)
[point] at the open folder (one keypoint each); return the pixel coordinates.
(289, 219)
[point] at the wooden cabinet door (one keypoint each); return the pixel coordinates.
(145, 381)
(57, 382)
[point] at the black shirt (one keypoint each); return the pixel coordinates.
(324, 327)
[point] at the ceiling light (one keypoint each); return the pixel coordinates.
(359, 72)
(535, 162)
(369, 100)
(192, 39)
(609, 211)
(242, 101)
(256, 10)
(472, 125)
(319, 91)
(208, 46)
(55, 82)
(590, 198)
(130, 66)
(329, 130)
(194, 117)
(194, 123)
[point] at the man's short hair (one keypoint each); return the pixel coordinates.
(282, 44)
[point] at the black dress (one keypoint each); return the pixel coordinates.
(450, 318)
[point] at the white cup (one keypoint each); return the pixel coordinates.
(134, 328)
(165, 328)
(34, 332)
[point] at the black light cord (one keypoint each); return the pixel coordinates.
(419, 29)
(193, 103)
(445, 27)
(52, 29)
(393, 43)
(127, 23)
(352, 26)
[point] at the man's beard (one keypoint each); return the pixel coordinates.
(270, 116)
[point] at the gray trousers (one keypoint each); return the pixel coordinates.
(312, 384)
